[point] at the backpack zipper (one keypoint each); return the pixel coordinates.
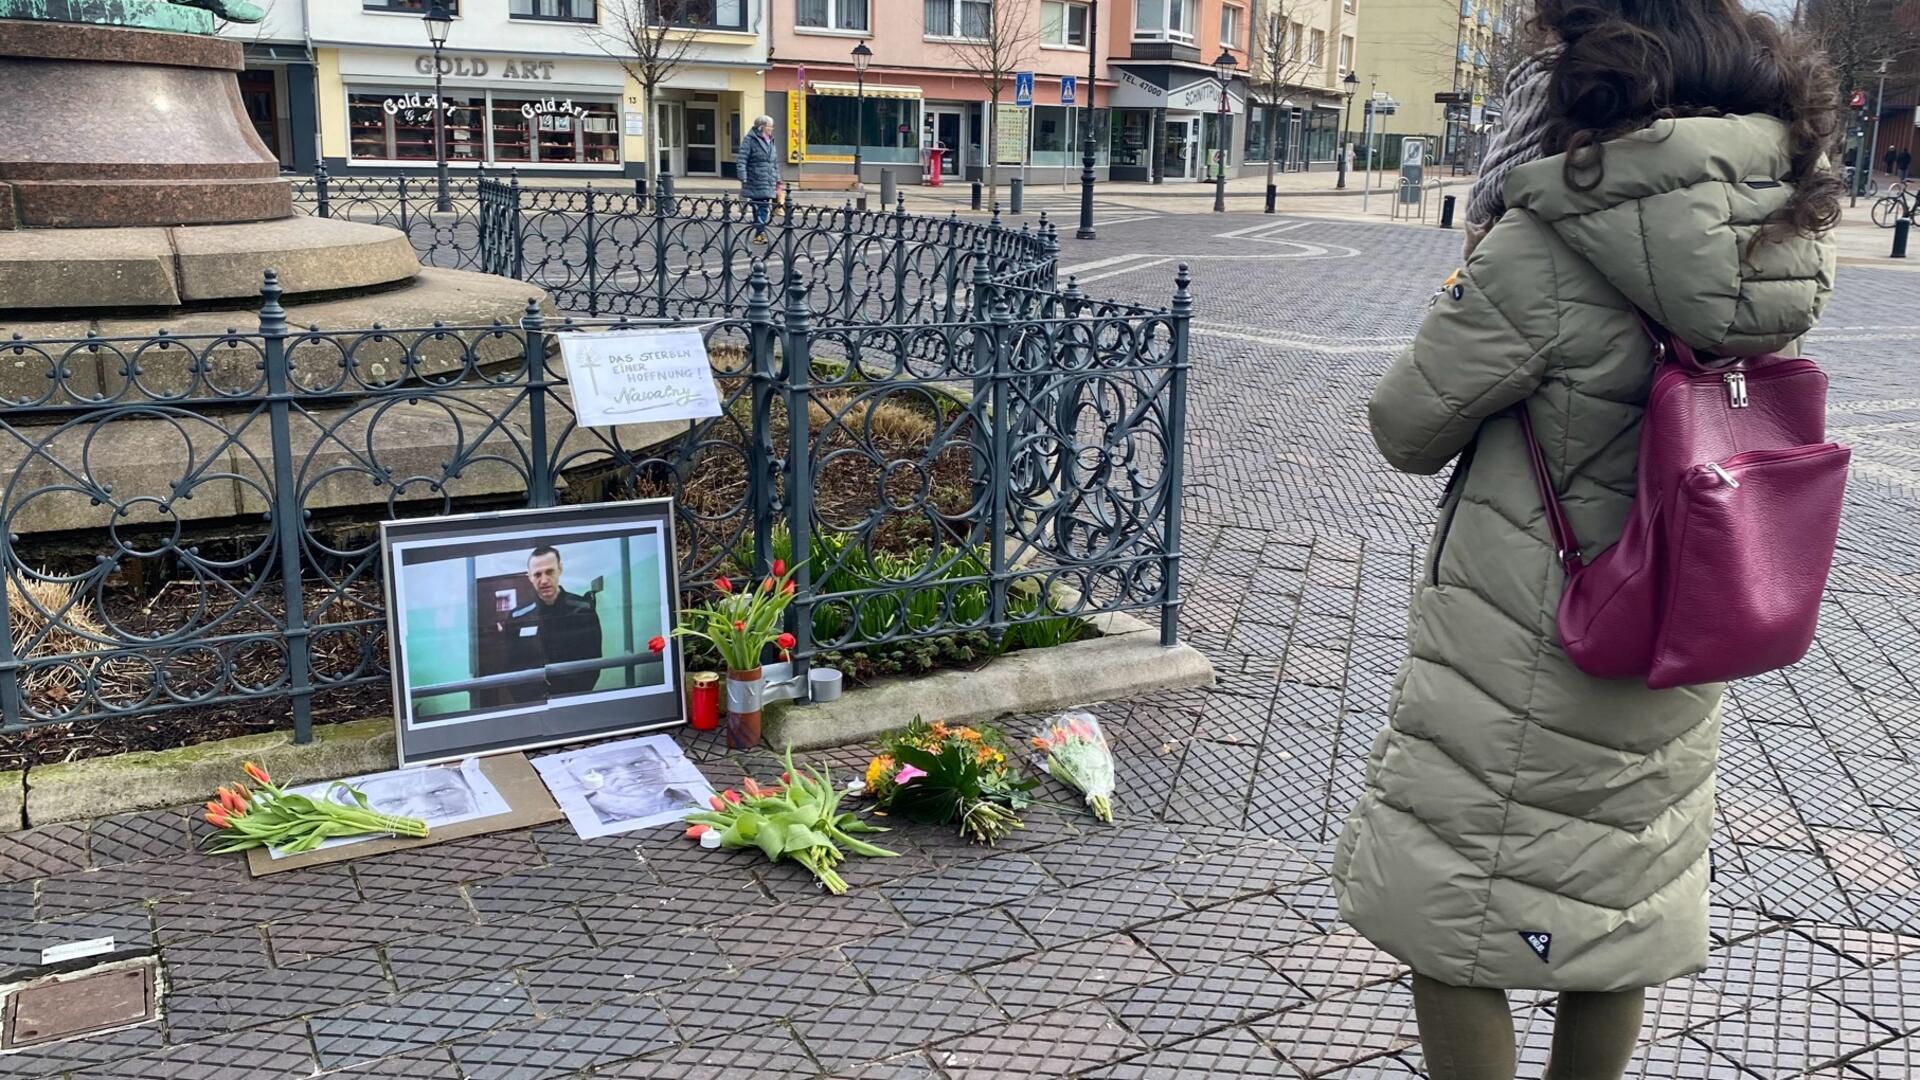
(1723, 470)
(1736, 389)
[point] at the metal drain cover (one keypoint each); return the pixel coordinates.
(63, 1006)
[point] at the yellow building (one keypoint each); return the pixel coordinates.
(1439, 62)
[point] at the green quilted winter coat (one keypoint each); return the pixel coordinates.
(1525, 825)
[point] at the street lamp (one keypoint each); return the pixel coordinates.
(862, 56)
(1222, 70)
(1085, 231)
(439, 20)
(1350, 83)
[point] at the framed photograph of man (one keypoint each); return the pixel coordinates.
(530, 628)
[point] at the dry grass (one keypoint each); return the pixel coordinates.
(54, 687)
(888, 422)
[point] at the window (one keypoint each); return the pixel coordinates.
(1296, 42)
(1063, 24)
(1230, 26)
(714, 14)
(832, 14)
(557, 10)
(408, 7)
(1163, 20)
(971, 19)
(1317, 49)
(1348, 5)
(1346, 54)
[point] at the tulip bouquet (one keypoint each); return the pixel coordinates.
(801, 821)
(288, 823)
(941, 775)
(1078, 755)
(742, 622)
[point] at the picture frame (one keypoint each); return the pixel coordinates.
(519, 629)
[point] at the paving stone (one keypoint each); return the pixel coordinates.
(468, 951)
(419, 1019)
(685, 902)
(1889, 993)
(1255, 924)
(565, 1043)
(1682, 1005)
(433, 1063)
(1240, 871)
(277, 1053)
(216, 956)
(627, 967)
(131, 927)
(1771, 966)
(740, 998)
(1788, 1037)
(1863, 947)
(1869, 861)
(503, 899)
(102, 1051)
(914, 1066)
(852, 1030)
(1094, 910)
(1212, 784)
(982, 882)
(1898, 1058)
(1314, 901)
(251, 998)
(1066, 1040)
(1108, 854)
(129, 838)
(768, 1051)
(1339, 1031)
(43, 852)
(1062, 976)
(957, 943)
(806, 927)
(1333, 964)
(1230, 1052)
(476, 859)
(130, 883)
(375, 922)
(1194, 1003)
(217, 906)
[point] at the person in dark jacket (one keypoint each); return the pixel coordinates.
(558, 626)
(759, 174)
(1906, 162)
(1890, 158)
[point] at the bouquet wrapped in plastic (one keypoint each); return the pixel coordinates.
(1078, 755)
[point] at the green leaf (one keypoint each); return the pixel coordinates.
(774, 838)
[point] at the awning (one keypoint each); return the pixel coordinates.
(847, 89)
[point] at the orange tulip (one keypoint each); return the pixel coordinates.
(259, 774)
(217, 817)
(717, 803)
(753, 788)
(723, 585)
(695, 832)
(790, 588)
(730, 795)
(779, 568)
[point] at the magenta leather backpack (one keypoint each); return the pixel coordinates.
(1720, 570)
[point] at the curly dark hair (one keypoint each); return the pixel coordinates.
(1625, 64)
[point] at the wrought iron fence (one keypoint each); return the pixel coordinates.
(952, 443)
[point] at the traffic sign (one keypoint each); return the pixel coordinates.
(1858, 100)
(1068, 85)
(1023, 88)
(1452, 97)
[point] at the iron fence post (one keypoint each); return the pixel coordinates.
(321, 206)
(660, 250)
(1000, 480)
(405, 227)
(533, 325)
(1067, 401)
(950, 265)
(900, 259)
(518, 226)
(846, 309)
(12, 709)
(761, 471)
(289, 529)
(1182, 314)
(593, 257)
(797, 377)
(786, 245)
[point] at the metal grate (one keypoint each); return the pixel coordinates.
(64, 1006)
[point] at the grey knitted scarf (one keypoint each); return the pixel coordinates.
(1516, 140)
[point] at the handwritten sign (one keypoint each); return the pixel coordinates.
(639, 376)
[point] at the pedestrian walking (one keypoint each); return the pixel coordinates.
(1525, 825)
(1891, 158)
(1906, 162)
(759, 174)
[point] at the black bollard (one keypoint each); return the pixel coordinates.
(1273, 192)
(1900, 228)
(887, 192)
(1019, 189)
(1446, 212)
(976, 194)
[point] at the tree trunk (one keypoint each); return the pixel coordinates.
(653, 146)
(993, 150)
(1272, 111)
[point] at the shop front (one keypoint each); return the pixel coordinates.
(1297, 133)
(1167, 126)
(277, 89)
(538, 115)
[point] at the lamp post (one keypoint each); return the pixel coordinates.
(1085, 231)
(862, 56)
(439, 20)
(1351, 83)
(1222, 70)
(1873, 144)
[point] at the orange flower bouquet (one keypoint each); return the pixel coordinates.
(288, 823)
(1078, 755)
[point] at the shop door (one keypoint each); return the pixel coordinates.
(1180, 149)
(257, 94)
(670, 138)
(703, 140)
(946, 131)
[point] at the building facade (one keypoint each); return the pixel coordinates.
(1302, 52)
(1172, 120)
(930, 85)
(279, 86)
(1439, 61)
(529, 86)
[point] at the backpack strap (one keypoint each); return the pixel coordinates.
(1566, 546)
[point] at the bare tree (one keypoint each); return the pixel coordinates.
(1281, 57)
(650, 39)
(1857, 35)
(995, 42)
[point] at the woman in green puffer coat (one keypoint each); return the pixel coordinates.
(1525, 826)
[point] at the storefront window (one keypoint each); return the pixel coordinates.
(399, 126)
(1323, 134)
(1255, 147)
(887, 135)
(557, 10)
(1131, 132)
(718, 14)
(409, 7)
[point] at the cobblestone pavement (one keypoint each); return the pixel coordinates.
(1199, 938)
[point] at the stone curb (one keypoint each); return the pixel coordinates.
(1127, 661)
(156, 779)
(13, 800)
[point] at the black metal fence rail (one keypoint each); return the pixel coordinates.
(954, 445)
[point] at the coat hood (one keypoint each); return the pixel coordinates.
(1671, 225)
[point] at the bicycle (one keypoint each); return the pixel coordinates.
(1872, 188)
(1902, 202)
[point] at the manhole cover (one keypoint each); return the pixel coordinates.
(63, 1006)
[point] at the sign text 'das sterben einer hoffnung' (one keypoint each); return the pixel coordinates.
(639, 376)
